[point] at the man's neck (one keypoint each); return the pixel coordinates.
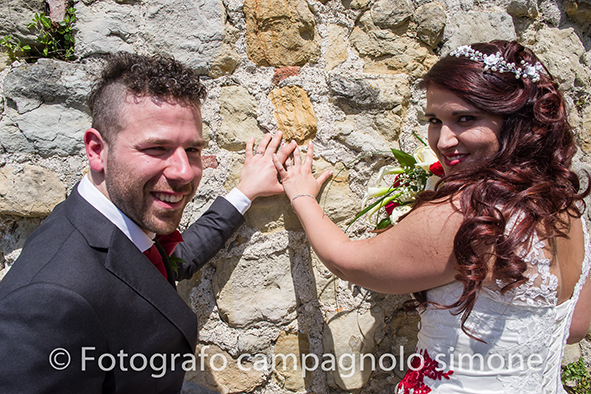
(93, 195)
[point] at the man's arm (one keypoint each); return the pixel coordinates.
(204, 238)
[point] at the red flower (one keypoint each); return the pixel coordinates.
(389, 207)
(413, 381)
(437, 169)
(170, 241)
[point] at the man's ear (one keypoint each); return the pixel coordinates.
(96, 150)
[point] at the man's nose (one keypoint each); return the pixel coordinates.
(179, 168)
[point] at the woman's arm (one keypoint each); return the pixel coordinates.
(414, 255)
(579, 325)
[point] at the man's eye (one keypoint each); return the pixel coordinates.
(154, 149)
(434, 121)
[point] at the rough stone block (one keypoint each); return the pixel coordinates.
(191, 32)
(33, 192)
(349, 336)
(294, 114)
(257, 286)
(430, 19)
(238, 109)
(15, 15)
(280, 33)
(469, 27)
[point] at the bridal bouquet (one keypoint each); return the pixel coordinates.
(415, 173)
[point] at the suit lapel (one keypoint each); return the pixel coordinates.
(133, 267)
(169, 274)
(130, 265)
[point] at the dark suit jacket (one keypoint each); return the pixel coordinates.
(81, 285)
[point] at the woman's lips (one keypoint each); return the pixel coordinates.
(452, 160)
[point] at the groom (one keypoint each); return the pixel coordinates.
(84, 309)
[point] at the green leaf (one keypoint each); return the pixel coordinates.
(576, 373)
(419, 138)
(383, 223)
(26, 48)
(174, 264)
(369, 207)
(404, 159)
(45, 21)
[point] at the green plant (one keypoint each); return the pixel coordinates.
(57, 38)
(575, 378)
(13, 47)
(582, 101)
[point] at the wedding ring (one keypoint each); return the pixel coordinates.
(259, 153)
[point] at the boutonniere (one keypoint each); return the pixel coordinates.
(169, 242)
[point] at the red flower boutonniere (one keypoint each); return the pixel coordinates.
(169, 242)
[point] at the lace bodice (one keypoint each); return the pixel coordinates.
(525, 332)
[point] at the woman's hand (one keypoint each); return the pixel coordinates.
(296, 176)
(415, 255)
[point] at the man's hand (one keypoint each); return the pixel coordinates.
(258, 177)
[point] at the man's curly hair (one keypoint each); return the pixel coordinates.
(157, 77)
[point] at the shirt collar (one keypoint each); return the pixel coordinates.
(101, 203)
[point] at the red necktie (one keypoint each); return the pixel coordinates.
(168, 242)
(156, 258)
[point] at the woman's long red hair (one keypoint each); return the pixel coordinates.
(529, 175)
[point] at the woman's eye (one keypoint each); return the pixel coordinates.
(466, 118)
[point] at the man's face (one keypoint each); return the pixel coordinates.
(153, 164)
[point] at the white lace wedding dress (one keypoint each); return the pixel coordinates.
(525, 332)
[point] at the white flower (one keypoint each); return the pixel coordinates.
(377, 192)
(491, 61)
(407, 195)
(387, 170)
(374, 192)
(431, 182)
(398, 211)
(425, 157)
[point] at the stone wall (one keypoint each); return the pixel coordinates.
(342, 73)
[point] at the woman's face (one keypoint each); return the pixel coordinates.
(460, 134)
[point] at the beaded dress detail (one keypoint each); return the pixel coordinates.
(525, 331)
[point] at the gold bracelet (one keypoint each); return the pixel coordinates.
(300, 195)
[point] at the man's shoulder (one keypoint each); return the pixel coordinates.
(56, 250)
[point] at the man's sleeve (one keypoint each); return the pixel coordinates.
(44, 329)
(204, 238)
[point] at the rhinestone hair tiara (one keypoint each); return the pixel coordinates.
(496, 62)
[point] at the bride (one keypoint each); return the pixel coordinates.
(498, 256)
